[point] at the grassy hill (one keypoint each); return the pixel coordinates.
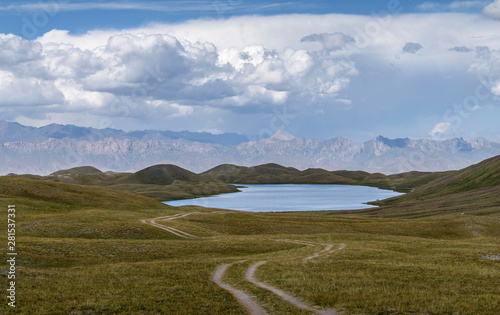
(159, 175)
(169, 182)
(485, 174)
(277, 174)
(161, 182)
(472, 190)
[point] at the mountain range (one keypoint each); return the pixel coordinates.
(55, 147)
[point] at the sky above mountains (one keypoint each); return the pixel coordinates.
(318, 69)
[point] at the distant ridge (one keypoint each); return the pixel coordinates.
(54, 147)
(12, 131)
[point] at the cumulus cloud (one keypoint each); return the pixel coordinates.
(330, 42)
(252, 64)
(412, 48)
(147, 76)
(493, 9)
(14, 50)
(440, 129)
(19, 91)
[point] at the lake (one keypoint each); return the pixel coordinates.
(292, 197)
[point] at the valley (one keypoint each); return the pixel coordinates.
(90, 249)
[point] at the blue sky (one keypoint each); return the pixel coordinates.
(321, 69)
(82, 16)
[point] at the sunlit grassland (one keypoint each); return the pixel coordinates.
(426, 266)
(407, 275)
(77, 256)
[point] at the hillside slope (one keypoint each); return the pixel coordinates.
(485, 174)
(472, 190)
(69, 195)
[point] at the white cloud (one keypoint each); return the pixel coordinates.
(297, 62)
(169, 109)
(77, 98)
(495, 89)
(14, 50)
(440, 128)
(19, 91)
(247, 64)
(144, 75)
(493, 9)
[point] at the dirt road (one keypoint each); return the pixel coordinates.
(245, 299)
(168, 228)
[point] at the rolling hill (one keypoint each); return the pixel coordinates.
(159, 175)
(277, 174)
(168, 182)
(474, 189)
(161, 182)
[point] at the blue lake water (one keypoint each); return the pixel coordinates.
(292, 197)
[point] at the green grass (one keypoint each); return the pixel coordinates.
(405, 274)
(83, 250)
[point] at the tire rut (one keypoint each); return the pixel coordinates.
(246, 300)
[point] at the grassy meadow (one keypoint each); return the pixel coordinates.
(83, 250)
